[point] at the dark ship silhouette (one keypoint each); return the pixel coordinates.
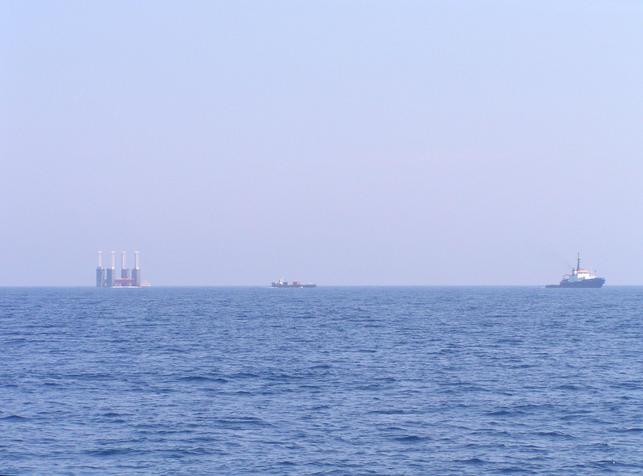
(579, 278)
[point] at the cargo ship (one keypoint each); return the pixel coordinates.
(294, 284)
(579, 278)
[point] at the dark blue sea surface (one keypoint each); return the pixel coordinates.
(321, 381)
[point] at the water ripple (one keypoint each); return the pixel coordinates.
(334, 381)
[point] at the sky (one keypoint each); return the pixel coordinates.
(343, 142)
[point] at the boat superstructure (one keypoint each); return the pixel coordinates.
(579, 278)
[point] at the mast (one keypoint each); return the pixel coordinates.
(578, 262)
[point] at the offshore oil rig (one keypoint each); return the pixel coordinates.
(106, 277)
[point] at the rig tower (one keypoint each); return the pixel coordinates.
(109, 275)
(124, 270)
(136, 272)
(100, 271)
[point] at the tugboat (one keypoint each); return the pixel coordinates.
(295, 284)
(579, 278)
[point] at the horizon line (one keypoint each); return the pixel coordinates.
(318, 286)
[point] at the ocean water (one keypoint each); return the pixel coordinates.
(321, 381)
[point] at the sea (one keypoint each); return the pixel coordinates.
(324, 381)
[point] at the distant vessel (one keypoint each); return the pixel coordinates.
(579, 278)
(294, 284)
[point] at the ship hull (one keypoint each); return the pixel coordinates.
(585, 283)
(293, 284)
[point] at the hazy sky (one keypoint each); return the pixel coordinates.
(342, 142)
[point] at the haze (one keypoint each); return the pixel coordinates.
(341, 142)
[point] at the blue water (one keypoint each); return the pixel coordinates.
(321, 381)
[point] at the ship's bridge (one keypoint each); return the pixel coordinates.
(580, 274)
